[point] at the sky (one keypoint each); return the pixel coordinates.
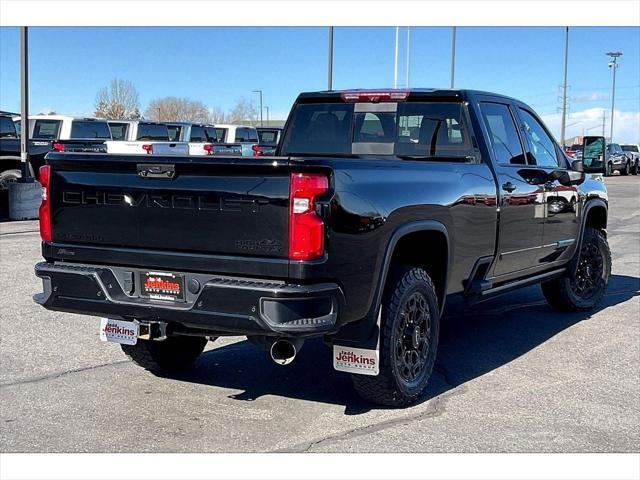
(218, 66)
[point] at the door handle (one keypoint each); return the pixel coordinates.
(508, 187)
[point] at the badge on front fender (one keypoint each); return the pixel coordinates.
(356, 360)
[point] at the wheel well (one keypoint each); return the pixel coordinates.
(9, 164)
(427, 250)
(597, 218)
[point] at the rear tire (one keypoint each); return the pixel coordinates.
(172, 355)
(626, 169)
(7, 177)
(634, 169)
(408, 341)
(584, 290)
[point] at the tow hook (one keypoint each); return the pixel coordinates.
(151, 330)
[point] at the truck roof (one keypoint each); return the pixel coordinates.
(229, 125)
(65, 117)
(446, 93)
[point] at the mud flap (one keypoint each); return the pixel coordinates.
(356, 349)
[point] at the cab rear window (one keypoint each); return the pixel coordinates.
(46, 129)
(153, 131)
(82, 129)
(7, 128)
(411, 129)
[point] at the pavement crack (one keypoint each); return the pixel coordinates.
(53, 376)
(435, 408)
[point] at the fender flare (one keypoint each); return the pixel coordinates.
(365, 333)
(589, 205)
(396, 236)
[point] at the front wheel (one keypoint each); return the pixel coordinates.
(608, 170)
(626, 169)
(634, 169)
(408, 341)
(584, 289)
(172, 355)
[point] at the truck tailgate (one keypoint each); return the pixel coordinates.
(203, 205)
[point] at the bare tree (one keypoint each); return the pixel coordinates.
(218, 115)
(243, 112)
(178, 109)
(118, 101)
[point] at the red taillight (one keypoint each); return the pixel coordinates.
(375, 96)
(44, 215)
(147, 148)
(306, 228)
(58, 147)
(257, 150)
(208, 148)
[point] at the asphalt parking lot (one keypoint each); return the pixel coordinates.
(511, 375)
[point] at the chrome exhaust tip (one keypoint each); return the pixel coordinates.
(283, 352)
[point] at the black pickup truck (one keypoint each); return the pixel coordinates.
(10, 153)
(46, 137)
(379, 206)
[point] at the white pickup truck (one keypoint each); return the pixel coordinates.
(143, 137)
(200, 137)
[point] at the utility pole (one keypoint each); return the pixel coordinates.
(408, 53)
(267, 109)
(395, 62)
(330, 61)
(259, 92)
(24, 105)
(453, 54)
(613, 64)
(564, 87)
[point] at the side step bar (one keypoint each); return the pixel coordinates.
(490, 291)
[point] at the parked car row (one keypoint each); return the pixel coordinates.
(64, 133)
(599, 156)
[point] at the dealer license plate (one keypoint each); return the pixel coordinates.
(162, 286)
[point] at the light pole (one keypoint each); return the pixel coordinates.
(24, 105)
(330, 61)
(408, 56)
(613, 64)
(453, 54)
(395, 62)
(259, 92)
(564, 88)
(267, 109)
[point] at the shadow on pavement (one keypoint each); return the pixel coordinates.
(473, 341)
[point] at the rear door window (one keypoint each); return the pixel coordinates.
(88, 129)
(7, 128)
(153, 131)
(46, 129)
(503, 134)
(119, 130)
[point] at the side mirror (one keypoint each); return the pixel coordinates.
(577, 166)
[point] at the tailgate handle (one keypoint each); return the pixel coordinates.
(154, 170)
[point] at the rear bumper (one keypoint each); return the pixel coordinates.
(214, 304)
